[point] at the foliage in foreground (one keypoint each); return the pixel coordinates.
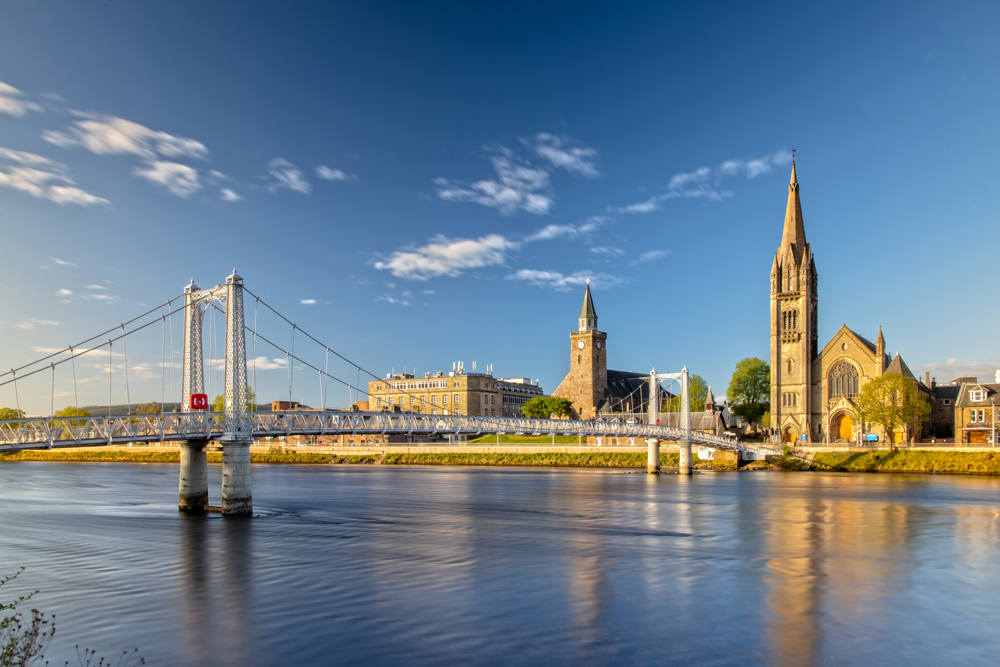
(23, 639)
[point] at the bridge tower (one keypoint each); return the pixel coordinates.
(236, 425)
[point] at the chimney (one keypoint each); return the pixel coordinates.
(927, 378)
(933, 382)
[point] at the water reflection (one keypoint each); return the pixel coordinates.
(429, 566)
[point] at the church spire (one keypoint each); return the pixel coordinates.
(794, 234)
(588, 316)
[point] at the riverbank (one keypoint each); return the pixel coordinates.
(951, 461)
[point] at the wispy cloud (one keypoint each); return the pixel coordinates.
(706, 182)
(523, 181)
(263, 363)
(651, 256)
(108, 135)
(572, 231)
(952, 368)
(329, 174)
(178, 179)
(560, 152)
(308, 302)
(12, 101)
(286, 176)
(229, 195)
(607, 251)
(32, 323)
(563, 282)
(61, 262)
(41, 177)
(447, 257)
(402, 300)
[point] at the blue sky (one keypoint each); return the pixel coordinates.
(422, 183)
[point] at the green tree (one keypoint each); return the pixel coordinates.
(891, 401)
(219, 402)
(542, 407)
(749, 390)
(147, 409)
(697, 395)
(11, 413)
(72, 411)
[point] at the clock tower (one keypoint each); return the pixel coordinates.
(586, 384)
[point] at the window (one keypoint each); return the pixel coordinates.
(493, 400)
(411, 401)
(444, 399)
(789, 365)
(434, 401)
(977, 395)
(946, 401)
(843, 380)
(456, 399)
(378, 402)
(423, 400)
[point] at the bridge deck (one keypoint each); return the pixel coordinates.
(38, 433)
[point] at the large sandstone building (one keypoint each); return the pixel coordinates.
(812, 390)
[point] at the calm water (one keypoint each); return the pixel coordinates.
(460, 566)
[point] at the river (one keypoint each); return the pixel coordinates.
(389, 565)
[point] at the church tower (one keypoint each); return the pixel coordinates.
(586, 384)
(793, 324)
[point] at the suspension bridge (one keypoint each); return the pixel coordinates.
(238, 426)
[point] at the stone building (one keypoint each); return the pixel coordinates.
(453, 393)
(589, 385)
(813, 390)
(976, 413)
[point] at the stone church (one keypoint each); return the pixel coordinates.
(589, 385)
(812, 390)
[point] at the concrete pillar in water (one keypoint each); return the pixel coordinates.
(653, 456)
(237, 496)
(684, 462)
(194, 476)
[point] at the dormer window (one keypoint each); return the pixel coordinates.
(977, 395)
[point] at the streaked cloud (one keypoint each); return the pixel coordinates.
(286, 176)
(32, 323)
(523, 179)
(41, 177)
(12, 101)
(326, 173)
(447, 257)
(178, 179)
(570, 230)
(109, 135)
(261, 363)
(229, 195)
(563, 282)
(706, 182)
(308, 302)
(652, 255)
(607, 251)
(560, 153)
(61, 262)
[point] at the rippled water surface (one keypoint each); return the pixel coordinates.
(487, 566)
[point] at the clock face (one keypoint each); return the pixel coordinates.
(579, 345)
(598, 345)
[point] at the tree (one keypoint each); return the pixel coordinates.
(542, 407)
(891, 401)
(11, 413)
(72, 411)
(147, 409)
(22, 639)
(219, 402)
(697, 395)
(750, 389)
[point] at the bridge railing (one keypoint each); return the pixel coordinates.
(85, 431)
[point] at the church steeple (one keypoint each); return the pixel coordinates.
(794, 235)
(588, 316)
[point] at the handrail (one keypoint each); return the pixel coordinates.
(49, 432)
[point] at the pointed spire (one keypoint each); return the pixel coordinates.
(588, 316)
(794, 234)
(710, 401)
(880, 341)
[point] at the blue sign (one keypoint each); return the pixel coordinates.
(871, 437)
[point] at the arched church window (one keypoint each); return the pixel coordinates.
(844, 380)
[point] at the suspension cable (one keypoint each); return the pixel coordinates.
(173, 363)
(288, 365)
(163, 360)
(52, 402)
(84, 342)
(111, 357)
(128, 395)
(76, 394)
